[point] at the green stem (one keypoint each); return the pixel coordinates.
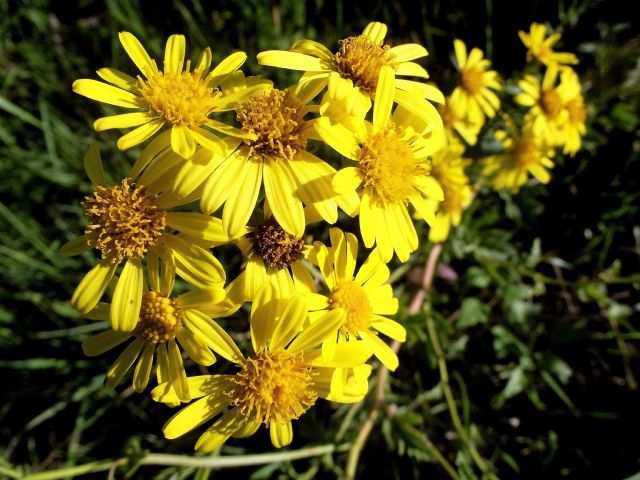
(451, 403)
(230, 461)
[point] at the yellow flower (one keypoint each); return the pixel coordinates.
(276, 257)
(454, 123)
(447, 167)
(127, 223)
(541, 48)
(360, 60)
(277, 383)
(363, 298)
(474, 99)
(523, 155)
(391, 170)
(276, 158)
(546, 116)
(175, 97)
(163, 320)
(575, 127)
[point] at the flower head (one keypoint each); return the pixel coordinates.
(575, 127)
(128, 223)
(523, 154)
(362, 297)
(176, 97)
(164, 322)
(276, 158)
(541, 48)
(546, 116)
(474, 98)
(447, 167)
(391, 170)
(276, 384)
(359, 60)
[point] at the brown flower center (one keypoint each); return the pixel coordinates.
(124, 221)
(277, 248)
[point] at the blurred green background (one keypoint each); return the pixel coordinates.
(535, 305)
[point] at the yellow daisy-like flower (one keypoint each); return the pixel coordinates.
(278, 160)
(360, 60)
(276, 384)
(447, 167)
(546, 116)
(362, 298)
(454, 123)
(541, 48)
(176, 97)
(523, 155)
(575, 127)
(276, 257)
(163, 321)
(127, 223)
(474, 98)
(392, 170)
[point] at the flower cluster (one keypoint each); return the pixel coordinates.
(318, 313)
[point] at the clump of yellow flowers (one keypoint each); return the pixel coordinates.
(398, 154)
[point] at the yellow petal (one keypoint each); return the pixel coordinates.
(127, 297)
(174, 54)
(138, 54)
(75, 247)
(390, 328)
(407, 52)
(280, 192)
(204, 62)
(376, 32)
(193, 263)
(315, 49)
(92, 286)
(384, 98)
(178, 377)
(220, 183)
(313, 177)
(194, 172)
(264, 309)
(460, 52)
(281, 433)
(290, 322)
(119, 79)
(314, 334)
(368, 221)
(140, 134)
(198, 225)
(337, 137)
(151, 152)
(201, 298)
(381, 350)
(411, 69)
(93, 165)
(103, 342)
(143, 368)
(292, 61)
(103, 92)
(210, 333)
(182, 142)
(124, 120)
(228, 65)
(346, 180)
(123, 363)
(196, 350)
(219, 432)
(194, 415)
(242, 197)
